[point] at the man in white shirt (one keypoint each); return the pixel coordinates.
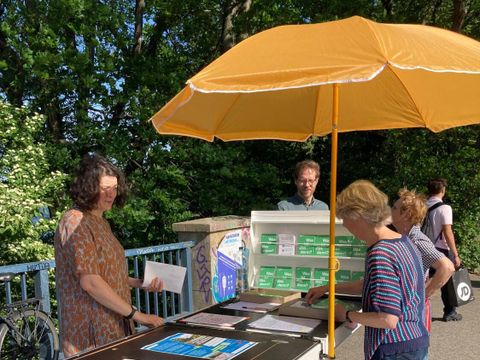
(441, 221)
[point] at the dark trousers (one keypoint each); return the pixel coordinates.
(447, 306)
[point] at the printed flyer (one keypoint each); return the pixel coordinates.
(200, 346)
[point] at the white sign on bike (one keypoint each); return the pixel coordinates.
(171, 275)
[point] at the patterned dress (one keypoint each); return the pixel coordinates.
(85, 244)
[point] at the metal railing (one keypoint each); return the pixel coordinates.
(34, 280)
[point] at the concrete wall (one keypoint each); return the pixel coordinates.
(208, 233)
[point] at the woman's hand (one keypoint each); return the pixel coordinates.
(149, 320)
(315, 293)
(341, 316)
(156, 285)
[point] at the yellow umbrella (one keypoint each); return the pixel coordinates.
(284, 83)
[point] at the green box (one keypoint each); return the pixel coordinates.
(342, 276)
(303, 284)
(267, 271)
(306, 239)
(359, 251)
(320, 282)
(268, 249)
(305, 250)
(357, 275)
(268, 238)
(343, 251)
(344, 240)
(321, 251)
(314, 239)
(285, 283)
(320, 274)
(323, 240)
(265, 281)
(284, 272)
(303, 273)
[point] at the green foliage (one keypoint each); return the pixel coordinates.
(27, 183)
(74, 61)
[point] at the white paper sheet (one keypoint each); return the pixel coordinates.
(252, 307)
(285, 323)
(171, 275)
(213, 319)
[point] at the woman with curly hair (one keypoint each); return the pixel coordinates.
(408, 213)
(91, 272)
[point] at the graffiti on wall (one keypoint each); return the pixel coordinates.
(203, 273)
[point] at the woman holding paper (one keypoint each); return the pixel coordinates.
(91, 273)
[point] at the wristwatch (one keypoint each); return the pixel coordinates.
(132, 313)
(347, 316)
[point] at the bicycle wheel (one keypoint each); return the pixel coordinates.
(35, 338)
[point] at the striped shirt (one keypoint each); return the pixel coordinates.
(394, 284)
(428, 253)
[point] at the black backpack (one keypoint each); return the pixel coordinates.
(427, 226)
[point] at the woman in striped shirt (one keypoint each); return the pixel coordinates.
(393, 294)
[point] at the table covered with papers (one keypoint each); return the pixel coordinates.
(223, 331)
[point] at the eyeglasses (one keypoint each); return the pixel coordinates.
(304, 181)
(108, 189)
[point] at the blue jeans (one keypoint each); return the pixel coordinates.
(420, 354)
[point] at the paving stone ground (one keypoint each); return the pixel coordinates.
(449, 340)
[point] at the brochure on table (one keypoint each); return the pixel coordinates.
(200, 346)
(290, 250)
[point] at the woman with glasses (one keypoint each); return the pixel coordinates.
(91, 272)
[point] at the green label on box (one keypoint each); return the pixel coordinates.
(358, 241)
(267, 271)
(268, 248)
(303, 273)
(359, 250)
(303, 284)
(320, 274)
(305, 250)
(306, 239)
(283, 283)
(321, 251)
(268, 238)
(344, 239)
(357, 275)
(284, 271)
(343, 276)
(343, 251)
(265, 282)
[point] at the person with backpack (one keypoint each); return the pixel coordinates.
(438, 227)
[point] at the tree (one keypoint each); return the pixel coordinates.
(28, 188)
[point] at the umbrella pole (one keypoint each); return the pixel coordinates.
(332, 261)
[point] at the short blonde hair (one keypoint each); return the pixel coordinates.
(362, 199)
(413, 205)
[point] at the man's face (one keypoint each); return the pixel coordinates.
(306, 183)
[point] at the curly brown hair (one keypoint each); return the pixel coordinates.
(413, 205)
(85, 189)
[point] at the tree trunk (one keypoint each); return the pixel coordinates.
(139, 7)
(232, 9)
(459, 13)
